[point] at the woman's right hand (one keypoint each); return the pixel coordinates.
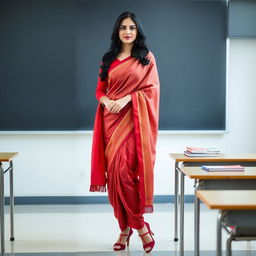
(114, 106)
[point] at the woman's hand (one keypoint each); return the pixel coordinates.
(120, 104)
(108, 103)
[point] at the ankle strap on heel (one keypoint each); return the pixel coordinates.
(144, 234)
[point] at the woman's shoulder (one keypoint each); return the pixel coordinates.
(150, 54)
(151, 57)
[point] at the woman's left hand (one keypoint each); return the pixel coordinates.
(120, 104)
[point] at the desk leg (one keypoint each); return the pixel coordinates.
(182, 214)
(2, 208)
(220, 217)
(11, 202)
(197, 224)
(228, 245)
(176, 188)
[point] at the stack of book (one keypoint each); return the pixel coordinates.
(223, 168)
(197, 151)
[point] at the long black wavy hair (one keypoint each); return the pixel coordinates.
(139, 50)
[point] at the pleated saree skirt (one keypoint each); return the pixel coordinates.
(122, 168)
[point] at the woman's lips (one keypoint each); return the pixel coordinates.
(127, 37)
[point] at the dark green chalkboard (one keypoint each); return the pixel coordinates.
(50, 52)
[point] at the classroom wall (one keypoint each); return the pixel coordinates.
(59, 164)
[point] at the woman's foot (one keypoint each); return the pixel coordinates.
(146, 237)
(124, 238)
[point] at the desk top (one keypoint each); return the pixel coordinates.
(198, 173)
(7, 157)
(228, 199)
(221, 158)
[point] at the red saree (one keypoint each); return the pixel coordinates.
(128, 139)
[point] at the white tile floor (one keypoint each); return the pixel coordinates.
(89, 228)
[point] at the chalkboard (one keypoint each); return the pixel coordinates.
(51, 49)
(242, 19)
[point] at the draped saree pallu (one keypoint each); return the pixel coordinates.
(123, 148)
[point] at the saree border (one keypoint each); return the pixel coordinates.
(144, 150)
(146, 146)
(119, 66)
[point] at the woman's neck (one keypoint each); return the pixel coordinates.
(126, 49)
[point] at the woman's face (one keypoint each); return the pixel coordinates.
(127, 31)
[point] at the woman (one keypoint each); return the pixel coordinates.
(125, 129)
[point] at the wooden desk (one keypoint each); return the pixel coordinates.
(221, 158)
(182, 160)
(6, 157)
(198, 173)
(226, 200)
(217, 180)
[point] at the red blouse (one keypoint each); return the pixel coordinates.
(101, 89)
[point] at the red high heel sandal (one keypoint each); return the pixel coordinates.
(150, 245)
(122, 246)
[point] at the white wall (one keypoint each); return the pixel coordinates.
(59, 165)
